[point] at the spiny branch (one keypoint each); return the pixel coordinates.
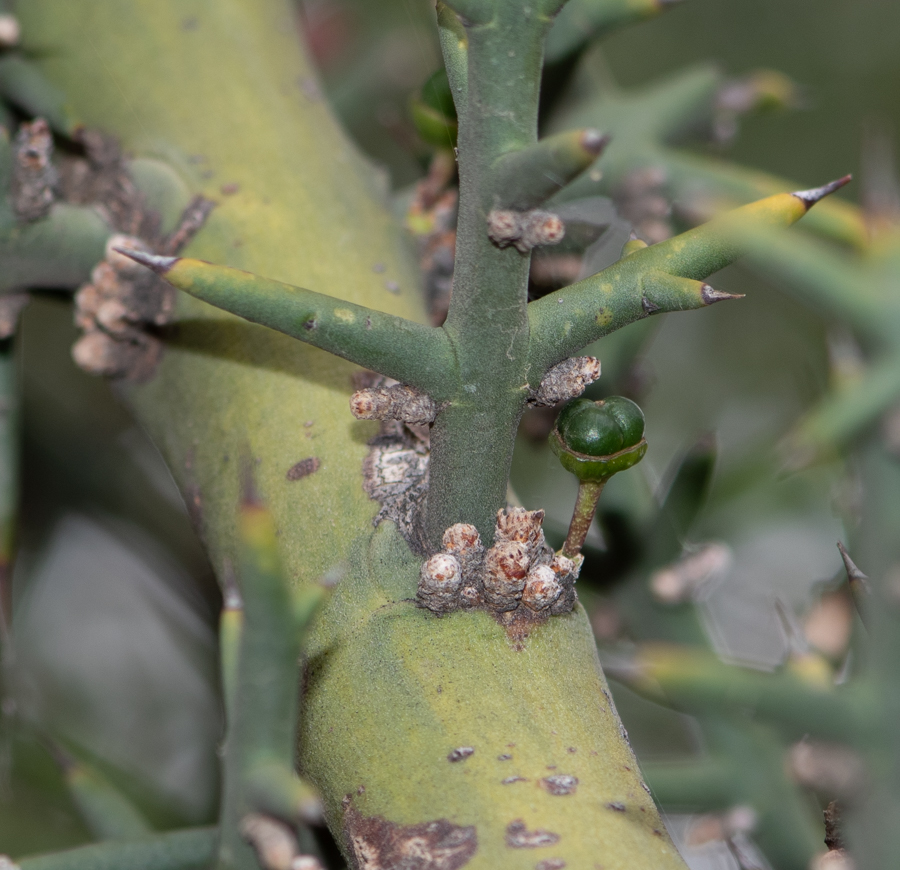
(393, 346)
(663, 277)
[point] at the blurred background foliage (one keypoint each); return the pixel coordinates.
(115, 662)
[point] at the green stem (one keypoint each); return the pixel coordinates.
(487, 324)
(175, 850)
(9, 475)
(259, 749)
(699, 785)
(58, 251)
(22, 84)
(585, 507)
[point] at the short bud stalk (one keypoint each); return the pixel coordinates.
(585, 507)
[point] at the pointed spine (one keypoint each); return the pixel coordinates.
(858, 582)
(813, 195)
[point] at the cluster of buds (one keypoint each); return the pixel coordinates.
(518, 571)
(115, 310)
(524, 229)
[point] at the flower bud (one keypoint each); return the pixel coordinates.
(439, 583)
(542, 588)
(505, 570)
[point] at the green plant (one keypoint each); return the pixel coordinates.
(452, 621)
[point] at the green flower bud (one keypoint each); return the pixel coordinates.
(595, 440)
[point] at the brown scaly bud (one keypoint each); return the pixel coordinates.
(542, 589)
(522, 526)
(540, 228)
(463, 541)
(524, 229)
(439, 583)
(87, 301)
(122, 264)
(504, 226)
(505, 570)
(112, 318)
(34, 176)
(566, 571)
(100, 354)
(469, 597)
(399, 402)
(565, 381)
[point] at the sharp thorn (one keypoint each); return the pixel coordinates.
(812, 196)
(854, 575)
(710, 295)
(593, 141)
(859, 584)
(158, 264)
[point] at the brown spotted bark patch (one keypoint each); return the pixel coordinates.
(378, 844)
(560, 784)
(519, 837)
(304, 468)
(395, 474)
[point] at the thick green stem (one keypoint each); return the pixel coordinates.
(585, 507)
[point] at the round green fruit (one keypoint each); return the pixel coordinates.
(595, 440)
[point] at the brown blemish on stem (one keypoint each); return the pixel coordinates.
(519, 837)
(550, 864)
(304, 468)
(395, 474)
(519, 624)
(560, 784)
(461, 753)
(378, 844)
